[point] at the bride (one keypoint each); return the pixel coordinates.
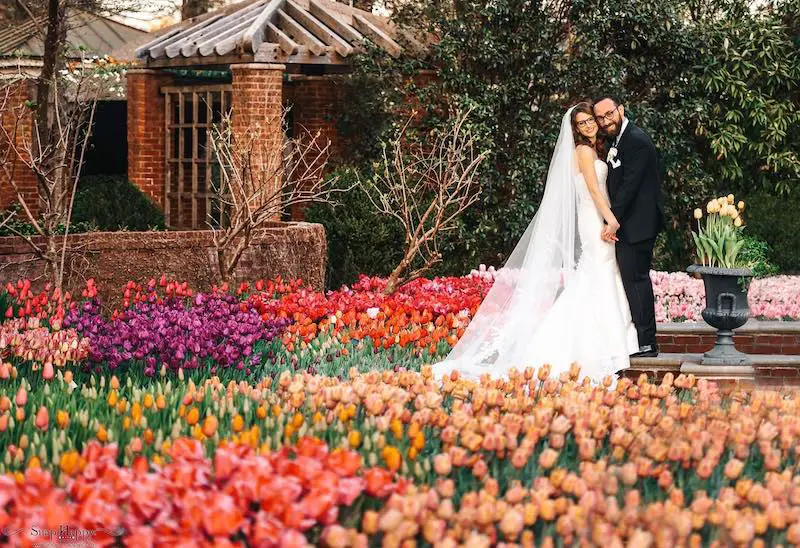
(559, 298)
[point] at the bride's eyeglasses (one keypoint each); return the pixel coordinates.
(583, 124)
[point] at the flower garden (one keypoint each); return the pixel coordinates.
(270, 414)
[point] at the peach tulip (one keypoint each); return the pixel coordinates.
(548, 458)
(442, 464)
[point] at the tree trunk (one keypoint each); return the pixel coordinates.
(365, 5)
(222, 265)
(52, 264)
(396, 275)
(52, 62)
(193, 8)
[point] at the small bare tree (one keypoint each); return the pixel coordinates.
(259, 180)
(426, 186)
(55, 160)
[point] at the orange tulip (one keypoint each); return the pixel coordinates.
(192, 416)
(210, 426)
(392, 458)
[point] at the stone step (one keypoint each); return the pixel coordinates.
(768, 370)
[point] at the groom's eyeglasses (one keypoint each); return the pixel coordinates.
(608, 115)
(583, 124)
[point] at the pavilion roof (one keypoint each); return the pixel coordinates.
(273, 31)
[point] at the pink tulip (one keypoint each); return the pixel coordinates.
(42, 418)
(136, 445)
(22, 396)
(48, 373)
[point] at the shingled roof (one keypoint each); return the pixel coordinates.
(95, 34)
(282, 31)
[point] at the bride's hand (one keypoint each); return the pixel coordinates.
(609, 233)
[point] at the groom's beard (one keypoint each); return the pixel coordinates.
(611, 130)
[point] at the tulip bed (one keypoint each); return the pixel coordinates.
(273, 415)
(396, 456)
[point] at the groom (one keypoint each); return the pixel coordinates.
(634, 187)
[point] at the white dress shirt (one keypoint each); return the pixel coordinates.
(621, 130)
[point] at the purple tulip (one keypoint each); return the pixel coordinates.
(179, 332)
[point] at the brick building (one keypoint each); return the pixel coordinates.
(21, 52)
(272, 54)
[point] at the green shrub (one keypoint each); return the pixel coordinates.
(774, 220)
(18, 224)
(111, 202)
(756, 254)
(359, 239)
(5, 302)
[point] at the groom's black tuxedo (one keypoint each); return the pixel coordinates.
(634, 188)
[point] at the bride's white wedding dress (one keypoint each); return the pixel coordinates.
(590, 321)
(559, 299)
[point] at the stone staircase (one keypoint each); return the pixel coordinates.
(773, 346)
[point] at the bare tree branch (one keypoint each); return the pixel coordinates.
(55, 157)
(426, 187)
(259, 181)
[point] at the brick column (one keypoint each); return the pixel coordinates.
(316, 103)
(146, 131)
(17, 121)
(256, 101)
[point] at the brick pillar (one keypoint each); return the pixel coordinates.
(256, 102)
(146, 131)
(17, 121)
(316, 102)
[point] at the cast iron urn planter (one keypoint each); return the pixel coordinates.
(726, 309)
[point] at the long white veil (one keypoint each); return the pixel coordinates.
(538, 269)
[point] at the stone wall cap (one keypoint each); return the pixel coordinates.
(142, 70)
(258, 66)
(297, 231)
(314, 77)
(666, 359)
(752, 326)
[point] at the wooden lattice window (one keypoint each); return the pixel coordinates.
(192, 171)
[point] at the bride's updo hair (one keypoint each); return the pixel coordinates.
(584, 107)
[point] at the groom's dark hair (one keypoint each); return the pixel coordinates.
(614, 98)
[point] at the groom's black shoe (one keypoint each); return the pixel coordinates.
(646, 351)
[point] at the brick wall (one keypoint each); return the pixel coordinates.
(146, 133)
(290, 250)
(257, 102)
(777, 339)
(316, 102)
(17, 121)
